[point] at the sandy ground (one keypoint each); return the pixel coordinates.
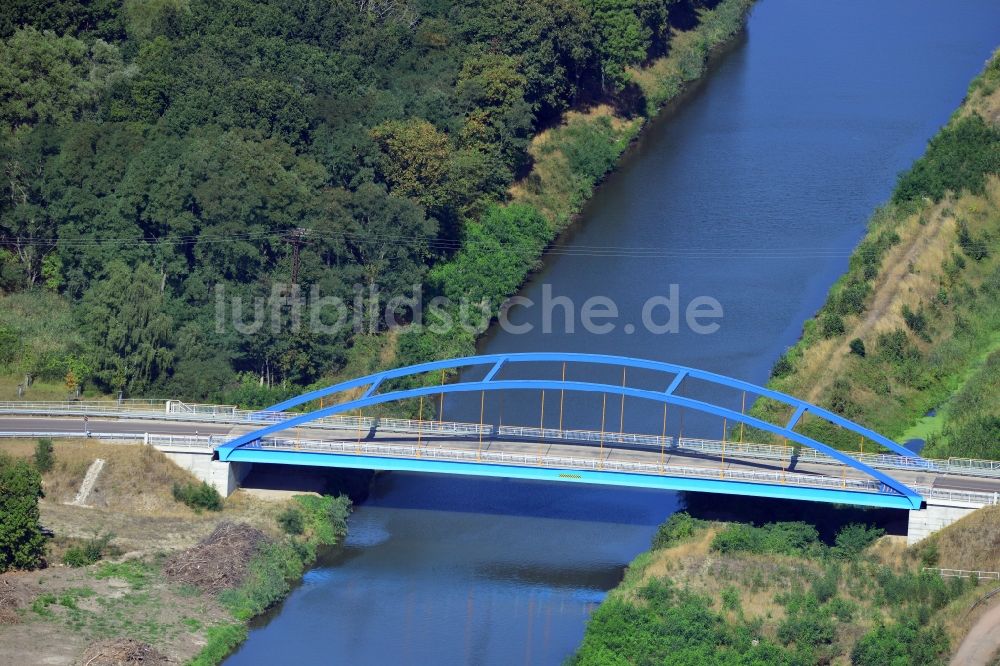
(982, 643)
(88, 609)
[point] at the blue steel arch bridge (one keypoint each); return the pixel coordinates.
(335, 433)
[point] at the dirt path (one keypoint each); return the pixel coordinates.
(890, 284)
(982, 642)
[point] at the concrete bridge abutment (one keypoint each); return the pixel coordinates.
(225, 477)
(935, 517)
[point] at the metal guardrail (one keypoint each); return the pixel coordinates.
(964, 573)
(193, 441)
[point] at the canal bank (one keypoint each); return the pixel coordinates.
(756, 191)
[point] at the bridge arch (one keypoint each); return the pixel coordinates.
(496, 362)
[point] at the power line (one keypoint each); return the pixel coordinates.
(442, 244)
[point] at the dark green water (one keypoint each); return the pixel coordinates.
(752, 192)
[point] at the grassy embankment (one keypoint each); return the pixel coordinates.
(62, 610)
(914, 324)
(713, 593)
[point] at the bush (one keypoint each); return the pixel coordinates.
(975, 248)
(904, 643)
(268, 576)
(783, 366)
(824, 588)
(858, 347)
(291, 521)
(44, 457)
(219, 642)
(807, 624)
(89, 552)
(832, 325)
(679, 526)
(957, 158)
(22, 545)
(915, 321)
(854, 538)
(496, 255)
(791, 538)
(198, 496)
(325, 518)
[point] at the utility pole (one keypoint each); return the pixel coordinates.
(296, 237)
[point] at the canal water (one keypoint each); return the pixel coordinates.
(752, 192)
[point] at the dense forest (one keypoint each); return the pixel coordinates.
(155, 150)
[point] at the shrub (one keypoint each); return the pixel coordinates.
(824, 588)
(915, 321)
(496, 255)
(857, 346)
(929, 555)
(957, 158)
(832, 325)
(198, 496)
(851, 299)
(22, 545)
(975, 248)
(782, 367)
(807, 624)
(904, 643)
(89, 552)
(291, 521)
(677, 528)
(44, 457)
(854, 538)
(325, 518)
(268, 576)
(790, 538)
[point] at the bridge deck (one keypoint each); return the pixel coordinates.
(693, 460)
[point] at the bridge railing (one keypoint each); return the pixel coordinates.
(804, 454)
(973, 466)
(411, 426)
(569, 462)
(179, 411)
(194, 409)
(549, 434)
(962, 497)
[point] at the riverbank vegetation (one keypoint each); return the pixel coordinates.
(717, 593)
(156, 152)
(912, 326)
(144, 571)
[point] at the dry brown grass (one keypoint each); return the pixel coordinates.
(135, 478)
(909, 276)
(971, 543)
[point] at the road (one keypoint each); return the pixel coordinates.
(608, 453)
(982, 643)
